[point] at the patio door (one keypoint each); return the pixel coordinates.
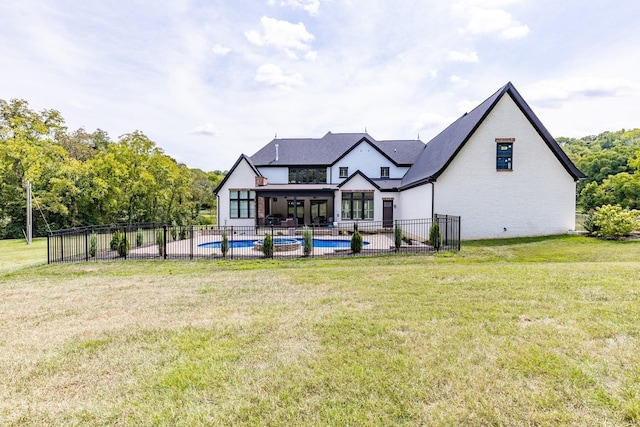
(387, 213)
(319, 212)
(295, 209)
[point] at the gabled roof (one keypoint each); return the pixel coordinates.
(235, 165)
(330, 148)
(382, 184)
(442, 149)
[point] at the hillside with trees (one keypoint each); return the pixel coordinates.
(84, 178)
(611, 161)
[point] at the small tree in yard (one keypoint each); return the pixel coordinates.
(356, 241)
(267, 246)
(307, 237)
(160, 240)
(93, 245)
(139, 237)
(224, 244)
(123, 245)
(397, 236)
(435, 237)
(613, 221)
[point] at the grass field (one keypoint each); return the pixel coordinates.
(517, 332)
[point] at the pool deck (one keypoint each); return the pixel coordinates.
(377, 242)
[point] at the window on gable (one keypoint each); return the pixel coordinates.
(344, 172)
(384, 172)
(504, 156)
(242, 203)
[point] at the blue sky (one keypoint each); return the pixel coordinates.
(208, 80)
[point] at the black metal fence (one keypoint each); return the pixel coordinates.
(162, 241)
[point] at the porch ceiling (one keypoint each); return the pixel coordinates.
(300, 190)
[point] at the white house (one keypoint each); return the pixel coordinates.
(496, 167)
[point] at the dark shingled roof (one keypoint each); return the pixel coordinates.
(441, 150)
(331, 148)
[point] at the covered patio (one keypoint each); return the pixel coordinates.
(295, 205)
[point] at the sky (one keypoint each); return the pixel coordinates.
(209, 80)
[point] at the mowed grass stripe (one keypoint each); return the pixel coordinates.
(446, 340)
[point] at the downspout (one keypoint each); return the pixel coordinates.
(433, 199)
(218, 210)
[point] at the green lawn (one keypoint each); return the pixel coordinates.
(539, 331)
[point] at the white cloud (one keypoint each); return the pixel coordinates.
(554, 92)
(429, 121)
(309, 6)
(462, 56)
(489, 18)
(273, 75)
(281, 34)
(457, 80)
(220, 50)
(206, 129)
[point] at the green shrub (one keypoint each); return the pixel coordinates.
(139, 237)
(123, 245)
(435, 237)
(589, 223)
(174, 230)
(160, 240)
(183, 233)
(224, 245)
(397, 236)
(267, 246)
(115, 240)
(612, 221)
(307, 237)
(356, 241)
(93, 245)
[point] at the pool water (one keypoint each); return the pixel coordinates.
(317, 243)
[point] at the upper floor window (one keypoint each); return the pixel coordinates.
(504, 156)
(344, 172)
(384, 172)
(307, 175)
(242, 203)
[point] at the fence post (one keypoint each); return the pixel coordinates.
(48, 249)
(86, 244)
(231, 243)
(191, 234)
(164, 238)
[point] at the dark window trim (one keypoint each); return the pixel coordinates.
(384, 169)
(307, 175)
(346, 172)
(250, 199)
(504, 156)
(362, 196)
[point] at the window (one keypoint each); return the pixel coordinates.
(242, 203)
(344, 172)
(357, 205)
(384, 172)
(504, 156)
(304, 175)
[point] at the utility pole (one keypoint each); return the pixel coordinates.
(29, 214)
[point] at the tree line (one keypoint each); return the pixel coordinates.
(611, 161)
(85, 178)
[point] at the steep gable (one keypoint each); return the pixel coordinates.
(441, 150)
(241, 159)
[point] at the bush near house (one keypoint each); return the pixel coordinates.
(612, 221)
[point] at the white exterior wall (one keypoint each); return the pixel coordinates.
(536, 198)
(367, 160)
(414, 203)
(275, 175)
(242, 178)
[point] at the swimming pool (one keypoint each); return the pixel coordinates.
(317, 243)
